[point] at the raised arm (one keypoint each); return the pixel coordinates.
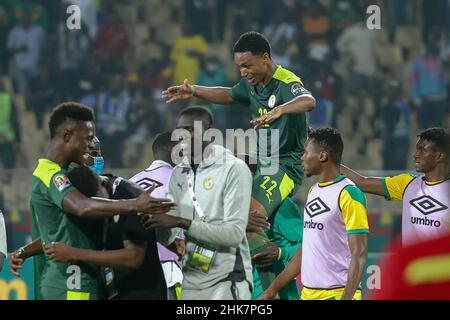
(219, 95)
(371, 185)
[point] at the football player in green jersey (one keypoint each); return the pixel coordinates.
(58, 206)
(279, 103)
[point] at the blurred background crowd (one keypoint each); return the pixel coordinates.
(378, 87)
(382, 85)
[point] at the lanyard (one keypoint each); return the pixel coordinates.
(198, 209)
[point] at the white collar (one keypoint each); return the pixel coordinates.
(158, 164)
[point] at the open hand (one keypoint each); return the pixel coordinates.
(15, 263)
(184, 91)
(267, 118)
(147, 204)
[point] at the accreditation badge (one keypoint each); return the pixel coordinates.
(202, 258)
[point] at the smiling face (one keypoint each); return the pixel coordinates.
(79, 139)
(426, 157)
(252, 67)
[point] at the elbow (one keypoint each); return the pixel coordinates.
(84, 211)
(311, 104)
(236, 237)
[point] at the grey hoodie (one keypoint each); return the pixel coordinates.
(222, 186)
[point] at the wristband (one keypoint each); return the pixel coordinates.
(193, 90)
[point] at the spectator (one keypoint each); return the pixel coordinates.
(37, 11)
(112, 108)
(359, 44)
(10, 135)
(186, 54)
(25, 42)
(342, 14)
(112, 41)
(428, 83)
(213, 74)
(73, 48)
(395, 118)
(87, 7)
(4, 27)
(42, 94)
(280, 34)
(323, 114)
(400, 13)
(316, 27)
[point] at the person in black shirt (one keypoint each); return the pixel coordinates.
(129, 249)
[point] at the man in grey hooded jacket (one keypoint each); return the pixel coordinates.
(212, 190)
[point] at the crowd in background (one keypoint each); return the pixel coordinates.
(383, 85)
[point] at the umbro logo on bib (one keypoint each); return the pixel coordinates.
(147, 183)
(427, 205)
(316, 207)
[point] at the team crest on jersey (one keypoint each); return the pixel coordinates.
(272, 101)
(208, 183)
(296, 89)
(61, 181)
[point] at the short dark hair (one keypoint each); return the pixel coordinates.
(85, 180)
(330, 140)
(253, 42)
(439, 136)
(200, 112)
(69, 110)
(163, 142)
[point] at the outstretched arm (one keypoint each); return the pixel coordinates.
(79, 205)
(220, 95)
(369, 185)
(131, 256)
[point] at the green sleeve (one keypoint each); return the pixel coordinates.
(239, 92)
(293, 90)
(59, 187)
(288, 252)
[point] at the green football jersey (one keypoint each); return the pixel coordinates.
(286, 231)
(293, 128)
(49, 186)
(39, 259)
